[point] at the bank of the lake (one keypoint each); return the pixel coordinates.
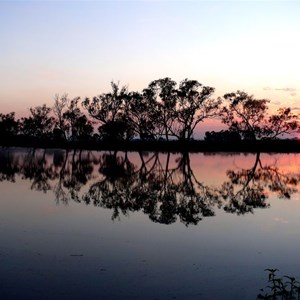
(274, 146)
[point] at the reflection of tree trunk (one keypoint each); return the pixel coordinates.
(167, 166)
(80, 153)
(253, 169)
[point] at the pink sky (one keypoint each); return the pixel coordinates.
(80, 47)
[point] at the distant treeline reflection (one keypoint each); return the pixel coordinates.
(164, 187)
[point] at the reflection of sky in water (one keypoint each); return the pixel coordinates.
(77, 251)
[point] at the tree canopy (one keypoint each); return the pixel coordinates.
(164, 110)
(250, 117)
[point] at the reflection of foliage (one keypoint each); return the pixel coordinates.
(7, 168)
(159, 186)
(73, 175)
(70, 172)
(247, 188)
(285, 288)
(36, 169)
(160, 192)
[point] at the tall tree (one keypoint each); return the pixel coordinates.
(59, 108)
(108, 109)
(80, 127)
(194, 106)
(163, 92)
(141, 109)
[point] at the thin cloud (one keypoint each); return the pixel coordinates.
(287, 89)
(281, 220)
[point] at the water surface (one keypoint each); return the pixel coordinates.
(115, 225)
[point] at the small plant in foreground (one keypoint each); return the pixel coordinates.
(284, 288)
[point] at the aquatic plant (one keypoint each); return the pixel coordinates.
(284, 288)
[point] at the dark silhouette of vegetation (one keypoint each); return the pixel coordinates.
(78, 125)
(164, 191)
(222, 136)
(9, 127)
(39, 124)
(247, 188)
(249, 117)
(194, 106)
(284, 288)
(59, 108)
(164, 116)
(109, 110)
(161, 192)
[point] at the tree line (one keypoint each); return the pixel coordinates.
(161, 111)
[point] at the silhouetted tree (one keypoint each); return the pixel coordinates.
(141, 109)
(250, 118)
(59, 108)
(80, 128)
(163, 93)
(118, 130)
(284, 122)
(194, 106)
(8, 125)
(39, 124)
(109, 109)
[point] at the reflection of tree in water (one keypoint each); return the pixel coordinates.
(247, 188)
(161, 192)
(8, 168)
(37, 170)
(156, 185)
(74, 173)
(113, 190)
(63, 172)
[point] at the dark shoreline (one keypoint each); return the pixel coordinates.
(275, 146)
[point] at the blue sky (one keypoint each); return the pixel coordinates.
(50, 47)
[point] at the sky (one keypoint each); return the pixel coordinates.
(79, 47)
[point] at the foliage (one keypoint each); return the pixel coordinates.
(40, 124)
(109, 109)
(247, 188)
(163, 187)
(163, 98)
(141, 109)
(162, 111)
(249, 117)
(59, 108)
(80, 128)
(194, 106)
(284, 288)
(222, 136)
(8, 125)
(114, 131)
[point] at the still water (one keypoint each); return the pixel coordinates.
(115, 225)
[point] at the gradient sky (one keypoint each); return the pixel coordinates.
(79, 47)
